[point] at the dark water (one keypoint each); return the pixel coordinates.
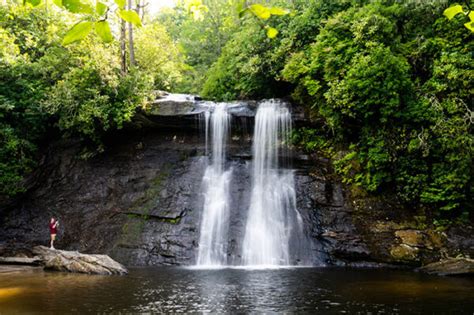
(308, 290)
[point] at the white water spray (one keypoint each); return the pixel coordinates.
(273, 218)
(216, 180)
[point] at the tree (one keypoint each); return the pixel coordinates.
(158, 56)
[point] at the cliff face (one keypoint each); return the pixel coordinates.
(141, 201)
(136, 203)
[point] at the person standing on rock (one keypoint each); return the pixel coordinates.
(53, 230)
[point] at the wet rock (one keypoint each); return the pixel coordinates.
(20, 260)
(73, 261)
(171, 107)
(459, 238)
(450, 267)
(345, 246)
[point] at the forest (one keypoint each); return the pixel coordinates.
(388, 84)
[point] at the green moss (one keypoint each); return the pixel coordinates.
(131, 231)
(173, 220)
(139, 211)
(150, 198)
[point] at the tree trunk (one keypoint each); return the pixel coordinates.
(131, 50)
(141, 7)
(123, 47)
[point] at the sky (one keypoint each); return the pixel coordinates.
(156, 5)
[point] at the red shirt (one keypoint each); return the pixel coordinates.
(53, 227)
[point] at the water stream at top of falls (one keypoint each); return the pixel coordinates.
(216, 180)
(273, 219)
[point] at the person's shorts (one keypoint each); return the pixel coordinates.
(53, 236)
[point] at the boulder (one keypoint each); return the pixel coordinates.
(450, 267)
(73, 261)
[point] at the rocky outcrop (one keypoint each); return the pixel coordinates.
(360, 230)
(73, 261)
(185, 111)
(450, 267)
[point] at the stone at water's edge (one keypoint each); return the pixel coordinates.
(73, 261)
(450, 267)
(20, 261)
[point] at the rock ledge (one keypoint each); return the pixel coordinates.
(450, 267)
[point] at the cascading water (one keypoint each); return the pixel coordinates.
(216, 180)
(273, 220)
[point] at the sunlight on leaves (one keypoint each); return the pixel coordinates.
(197, 9)
(470, 25)
(32, 2)
(272, 32)
(278, 11)
(101, 8)
(120, 3)
(131, 17)
(76, 6)
(77, 32)
(102, 28)
(260, 11)
(452, 11)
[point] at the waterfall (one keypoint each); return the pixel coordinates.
(216, 180)
(273, 219)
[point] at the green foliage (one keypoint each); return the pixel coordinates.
(313, 140)
(365, 79)
(103, 30)
(121, 3)
(46, 89)
(77, 6)
(93, 97)
(24, 34)
(92, 17)
(201, 39)
(32, 2)
(196, 8)
(248, 67)
(130, 16)
(250, 64)
(78, 32)
(454, 10)
(101, 8)
(159, 57)
(263, 13)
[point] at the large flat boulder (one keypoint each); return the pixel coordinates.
(450, 267)
(73, 261)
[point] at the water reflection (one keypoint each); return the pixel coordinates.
(236, 290)
(9, 292)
